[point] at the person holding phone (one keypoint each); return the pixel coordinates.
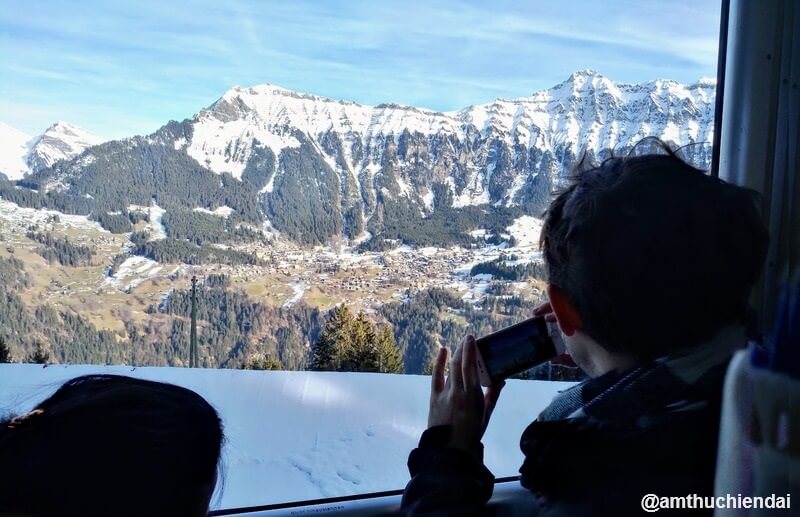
(650, 266)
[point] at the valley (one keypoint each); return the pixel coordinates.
(285, 204)
(319, 277)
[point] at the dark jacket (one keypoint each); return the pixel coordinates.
(600, 446)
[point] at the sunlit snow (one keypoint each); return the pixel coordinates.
(23, 217)
(301, 435)
(526, 231)
(133, 272)
(14, 148)
(222, 211)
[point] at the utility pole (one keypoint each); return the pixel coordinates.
(193, 335)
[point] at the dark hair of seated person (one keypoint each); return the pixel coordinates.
(654, 254)
(111, 445)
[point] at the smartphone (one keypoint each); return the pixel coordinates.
(513, 350)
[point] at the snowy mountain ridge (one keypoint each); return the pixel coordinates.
(315, 168)
(22, 154)
(587, 109)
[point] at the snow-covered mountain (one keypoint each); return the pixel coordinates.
(22, 154)
(317, 167)
(587, 112)
(61, 141)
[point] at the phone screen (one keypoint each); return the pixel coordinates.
(514, 349)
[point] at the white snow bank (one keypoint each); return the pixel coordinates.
(301, 435)
(133, 272)
(222, 211)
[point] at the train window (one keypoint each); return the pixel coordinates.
(327, 190)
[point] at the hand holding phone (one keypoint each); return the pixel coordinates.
(459, 401)
(514, 349)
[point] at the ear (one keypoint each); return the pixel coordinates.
(568, 318)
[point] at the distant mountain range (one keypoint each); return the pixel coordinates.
(22, 154)
(317, 168)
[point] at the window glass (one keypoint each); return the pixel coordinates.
(350, 184)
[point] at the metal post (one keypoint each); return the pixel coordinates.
(760, 140)
(193, 336)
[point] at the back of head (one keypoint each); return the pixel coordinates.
(654, 254)
(111, 445)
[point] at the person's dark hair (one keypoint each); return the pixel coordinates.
(111, 445)
(654, 254)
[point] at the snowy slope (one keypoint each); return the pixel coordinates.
(302, 435)
(590, 109)
(14, 148)
(21, 154)
(224, 133)
(59, 142)
(587, 110)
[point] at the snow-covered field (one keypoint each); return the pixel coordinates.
(302, 435)
(526, 231)
(222, 211)
(133, 272)
(298, 289)
(20, 217)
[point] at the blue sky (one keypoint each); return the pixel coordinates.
(119, 68)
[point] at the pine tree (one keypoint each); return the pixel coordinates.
(389, 358)
(39, 355)
(5, 352)
(331, 351)
(267, 362)
(361, 354)
(352, 344)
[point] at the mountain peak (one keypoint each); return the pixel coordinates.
(260, 92)
(586, 79)
(315, 167)
(62, 125)
(585, 74)
(61, 141)
(62, 129)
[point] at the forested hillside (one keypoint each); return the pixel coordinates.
(64, 335)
